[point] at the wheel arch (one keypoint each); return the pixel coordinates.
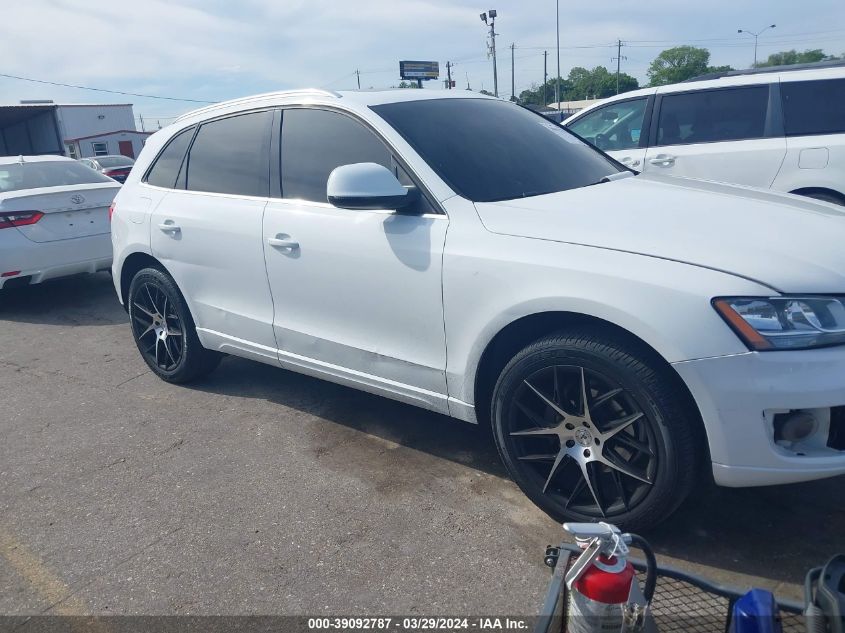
(131, 265)
(809, 191)
(525, 330)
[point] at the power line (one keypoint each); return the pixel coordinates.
(115, 92)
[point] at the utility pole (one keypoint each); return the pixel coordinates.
(449, 75)
(557, 81)
(141, 116)
(545, 75)
(358, 72)
(618, 59)
(513, 72)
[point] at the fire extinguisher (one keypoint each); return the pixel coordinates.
(604, 593)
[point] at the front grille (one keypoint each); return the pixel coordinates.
(836, 437)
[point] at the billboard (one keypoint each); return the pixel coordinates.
(419, 70)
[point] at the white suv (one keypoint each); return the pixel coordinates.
(777, 128)
(621, 332)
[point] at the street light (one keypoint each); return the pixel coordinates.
(491, 13)
(755, 35)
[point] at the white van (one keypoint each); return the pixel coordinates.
(781, 128)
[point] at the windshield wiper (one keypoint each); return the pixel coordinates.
(617, 176)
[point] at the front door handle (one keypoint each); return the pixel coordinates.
(627, 160)
(663, 160)
(283, 242)
(168, 226)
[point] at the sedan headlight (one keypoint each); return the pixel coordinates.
(785, 322)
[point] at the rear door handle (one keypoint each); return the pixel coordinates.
(168, 226)
(283, 241)
(663, 160)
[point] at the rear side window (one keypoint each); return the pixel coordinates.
(709, 116)
(315, 142)
(813, 107)
(232, 155)
(166, 168)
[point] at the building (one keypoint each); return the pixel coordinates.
(568, 108)
(78, 130)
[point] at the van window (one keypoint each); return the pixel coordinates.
(709, 116)
(315, 142)
(166, 168)
(232, 155)
(813, 107)
(615, 126)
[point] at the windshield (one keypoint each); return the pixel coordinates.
(19, 176)
(115, 161)
(489, 150)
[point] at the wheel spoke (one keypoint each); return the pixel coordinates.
(543, 430)
(625, 469)
(548, 402)
(578, 489)
(532, 417)
(620, 488)
(585, 403)
(150, 296)
(620, 424)
(144, 310)
(606, 397)
(167, 349)
(157, 363)
(592, 484)
(630, 442)
(558, 461)
(538, 458)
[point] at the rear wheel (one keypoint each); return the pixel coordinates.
(592, 429)
(164, 330)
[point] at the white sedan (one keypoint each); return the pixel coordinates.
(54, 219)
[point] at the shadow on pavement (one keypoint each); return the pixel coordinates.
(79, 300)
(771, 532)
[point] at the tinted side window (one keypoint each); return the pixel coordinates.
(166, 168)
(232, 155)
(315, 142)
(614, 127)
(709, 116)
(813, 107)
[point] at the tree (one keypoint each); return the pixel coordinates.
(678, 64)
(786, 58)
(408, 84)
(534, 95)
(486, 92)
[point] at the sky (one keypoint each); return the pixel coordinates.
(212, 50)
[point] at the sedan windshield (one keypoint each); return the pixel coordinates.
(58, 173)
(488, 150)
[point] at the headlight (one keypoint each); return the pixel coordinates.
(785, 322)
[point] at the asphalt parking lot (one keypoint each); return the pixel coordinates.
(259, 491)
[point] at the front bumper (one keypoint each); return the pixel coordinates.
(739, 396)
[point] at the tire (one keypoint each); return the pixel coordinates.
(164, 330)
(825, 197)
(630, 459)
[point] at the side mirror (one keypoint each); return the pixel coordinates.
(367, 186)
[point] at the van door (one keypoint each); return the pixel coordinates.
(724, 134)
(617, 128)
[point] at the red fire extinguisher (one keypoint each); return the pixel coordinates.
(604, 594)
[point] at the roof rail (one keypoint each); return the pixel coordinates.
(246, 100)
(830, 63)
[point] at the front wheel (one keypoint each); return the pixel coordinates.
(164, 330)
(592, 429)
